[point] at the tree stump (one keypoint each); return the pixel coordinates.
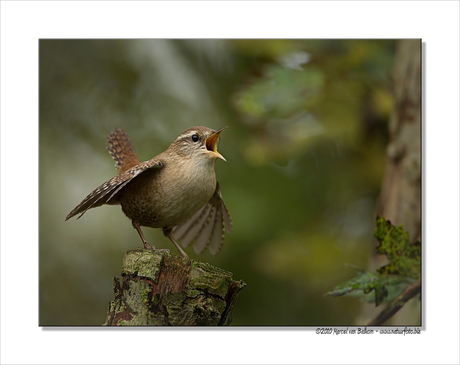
(160, 289)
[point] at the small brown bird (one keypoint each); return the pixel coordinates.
(176, 190)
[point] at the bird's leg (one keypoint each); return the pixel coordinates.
(144, 241)
(167, 233)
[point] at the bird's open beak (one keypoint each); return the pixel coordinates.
(211, 143)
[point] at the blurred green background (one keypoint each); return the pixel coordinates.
(305, 151)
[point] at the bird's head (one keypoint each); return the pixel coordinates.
(199, 143)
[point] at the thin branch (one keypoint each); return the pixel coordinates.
(397, 304)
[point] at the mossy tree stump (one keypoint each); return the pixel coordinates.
(160, 289)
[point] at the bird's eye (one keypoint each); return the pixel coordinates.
(195, 138)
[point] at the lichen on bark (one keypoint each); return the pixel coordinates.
(160, 289)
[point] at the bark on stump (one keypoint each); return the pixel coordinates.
(160, 289)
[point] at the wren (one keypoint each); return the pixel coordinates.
(176, 190)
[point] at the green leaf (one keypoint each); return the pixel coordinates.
(404, 256)
(390, 280)
(372, 287)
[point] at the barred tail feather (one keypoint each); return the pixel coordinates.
(122, 151)
(205, 229)
(202, 241)
(188, 231)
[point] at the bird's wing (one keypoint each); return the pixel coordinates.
(206, 227)
(104, 193)
(122, 151)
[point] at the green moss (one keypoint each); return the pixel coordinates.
(145, 296)
(206, 310)
(193, 293)
(148, 319)
(155, 299)
(174, 299)
(136, 296)
(201, 302)
(214, 280)
(145, 263)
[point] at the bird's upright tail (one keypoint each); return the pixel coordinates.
(122, 151)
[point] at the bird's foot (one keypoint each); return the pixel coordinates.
(149, 247)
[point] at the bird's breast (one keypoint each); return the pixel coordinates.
(167, 197)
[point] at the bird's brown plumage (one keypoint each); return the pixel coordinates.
(176, 190)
